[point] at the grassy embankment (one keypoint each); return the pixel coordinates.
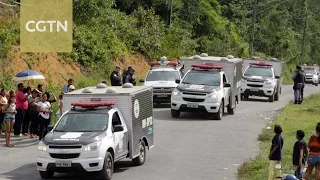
(292, 118)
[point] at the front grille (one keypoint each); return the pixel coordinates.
(64, 147)
(255, 80)
(193, 100)
(254, 85)
(163, 90)
(64, 156)
(194, 93)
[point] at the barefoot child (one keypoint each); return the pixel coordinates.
(10, 118)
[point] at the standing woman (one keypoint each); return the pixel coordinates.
(3, 106)
(10, 118)
(33, 113)
(314, 154)
(44, 109)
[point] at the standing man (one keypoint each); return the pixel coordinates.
(66, 88)
(298, 79)
(130, 77)
(303, 84)
(125, 73)
(115, 77)
(22, 106)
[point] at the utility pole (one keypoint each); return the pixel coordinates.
(254, 17)
(169, 13)
(304, 37)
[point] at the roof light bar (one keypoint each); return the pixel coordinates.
(207, 66)
(164, 63)
(260, 63)
(92, 104)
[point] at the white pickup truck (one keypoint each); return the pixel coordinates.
(210, 85)
(262, 78)
(162, 77)
(311, 74)
(101, 126)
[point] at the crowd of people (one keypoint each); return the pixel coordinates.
(28, 112)
(305, 156)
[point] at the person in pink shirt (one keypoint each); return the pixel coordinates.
(21, 106)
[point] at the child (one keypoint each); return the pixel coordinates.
(275, 155)
(10, 118)
(299, 154)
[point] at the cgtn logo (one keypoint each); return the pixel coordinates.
(46, 26)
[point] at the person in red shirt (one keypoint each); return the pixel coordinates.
(314, 154)
(21, 106)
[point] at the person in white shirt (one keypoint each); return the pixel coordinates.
(44, 109)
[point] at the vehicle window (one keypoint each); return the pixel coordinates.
(116, 119)
(162, 76)
(83, 122)
(202, 78)
(310, 71)
(259, 71)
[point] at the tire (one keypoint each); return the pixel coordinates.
(219, 114)
(107, 169)
(175, 113)
(232, 110)
(246, 97)
(276, 97)
(316, 84)
(46, 174)
(138, 161)
(271, 98)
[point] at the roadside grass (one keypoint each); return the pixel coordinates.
(292, 118)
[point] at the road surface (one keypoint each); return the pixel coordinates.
(187, 148)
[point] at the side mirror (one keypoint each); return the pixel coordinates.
(227, 85)
(118, 128)
(49, 128)
(277, 77)
(318, 73)
(178, 81)
(141, 80)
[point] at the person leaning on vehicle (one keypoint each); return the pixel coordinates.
(130, 77)
(298, 79)
(115, 77)
(125, 73)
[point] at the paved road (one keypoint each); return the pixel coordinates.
(186, 148)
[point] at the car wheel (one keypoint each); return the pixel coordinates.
(219, 114)
(46, 174)
(175, 113)
(138, 161)
(276, 97)
(107, 169)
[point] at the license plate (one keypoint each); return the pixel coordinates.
(162, 95)
(192, 105)
(255, 90)
(63, 164)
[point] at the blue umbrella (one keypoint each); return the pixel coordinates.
(27, 75)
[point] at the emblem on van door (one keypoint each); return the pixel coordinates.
(136, 108)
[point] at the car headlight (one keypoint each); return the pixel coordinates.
(270, 82)
(42, 146)
(176, 92)
(315, 76)
(93, 146)
(213, 95)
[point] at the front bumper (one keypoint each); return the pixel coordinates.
(257, 91)
(161, 97)
(311, 81)
(85, 162)
(184, 106)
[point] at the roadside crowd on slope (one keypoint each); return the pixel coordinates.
(305, 157)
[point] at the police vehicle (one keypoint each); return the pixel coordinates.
(162, 77)
(311, 74)
(101, 126)
(262, 78)
(210, 85)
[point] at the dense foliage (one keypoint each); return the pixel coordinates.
(108, 29)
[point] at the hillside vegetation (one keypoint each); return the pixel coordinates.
(109, 30)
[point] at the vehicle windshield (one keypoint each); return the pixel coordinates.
(162, 76)
(309, 71)
(202, 78)
(259, 71)
(83, 122)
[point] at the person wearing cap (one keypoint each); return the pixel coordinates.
(71, 88)
(115, 77)
(125, 73)
(298, 80)
(130, 77)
